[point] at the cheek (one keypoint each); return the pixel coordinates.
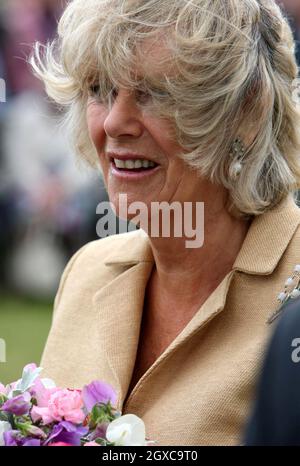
(164, 133)
(95, 117)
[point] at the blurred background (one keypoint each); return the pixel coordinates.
(47, 200)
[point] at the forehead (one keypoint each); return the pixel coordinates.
(154, 58)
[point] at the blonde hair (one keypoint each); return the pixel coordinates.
(235, 71)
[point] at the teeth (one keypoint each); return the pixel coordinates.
(119, 163)
(146, 164)
(133, 164)
(138, 164)
(129, 164)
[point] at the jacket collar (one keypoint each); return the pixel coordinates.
(267, 238)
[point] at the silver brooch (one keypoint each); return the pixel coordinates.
(291, 291)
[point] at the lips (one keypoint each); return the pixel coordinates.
(131, 167)
(132, 164)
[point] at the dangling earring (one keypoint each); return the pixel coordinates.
(237, 153)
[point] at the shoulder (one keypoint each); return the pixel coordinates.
(291, 255)
(285, 225)
(122, 248)
(110, 247)
(88, 270)
(295, 240)
(280, 233)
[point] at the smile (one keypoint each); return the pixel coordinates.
(134, 164)
(132, 169)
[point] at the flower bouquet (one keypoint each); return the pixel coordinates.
(34, 412)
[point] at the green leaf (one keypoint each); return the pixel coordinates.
(11, 420)
(27, 429)
(3, 399)
(100, 414)
(3, 416)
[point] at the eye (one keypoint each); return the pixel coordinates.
(94, 90)
(142, 96)
(113, 93)
(98, 93)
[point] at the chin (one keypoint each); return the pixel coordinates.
(129, 206)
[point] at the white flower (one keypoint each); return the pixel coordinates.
(127, 430)
(4, 427)
(48, 383)
(30, 374)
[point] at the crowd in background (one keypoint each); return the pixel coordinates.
(47, 202)
(292, 8)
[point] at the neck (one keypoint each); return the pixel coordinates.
(187, 273)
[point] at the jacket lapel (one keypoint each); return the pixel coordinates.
(120, 307)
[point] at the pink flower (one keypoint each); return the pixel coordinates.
(92, 444)
(59, 444)
(41, 413)
(61, 404)
(30, 367)
(67, 404)
(2, 389)
(42, 396)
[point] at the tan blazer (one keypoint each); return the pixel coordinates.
(199, 391)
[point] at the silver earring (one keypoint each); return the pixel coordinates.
(237, 154)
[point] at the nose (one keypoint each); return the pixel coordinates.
(123, 117)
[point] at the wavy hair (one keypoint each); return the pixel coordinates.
(236, 73)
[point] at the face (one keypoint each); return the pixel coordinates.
(138, 152)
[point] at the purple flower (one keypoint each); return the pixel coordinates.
(19, 405)
(32, 442)
(13, 438)
(99, 432)
(98, 392)
(68, 433)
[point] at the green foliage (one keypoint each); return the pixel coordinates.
(24, 325)
(101, 413)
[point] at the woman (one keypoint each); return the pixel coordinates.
(202, 91)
